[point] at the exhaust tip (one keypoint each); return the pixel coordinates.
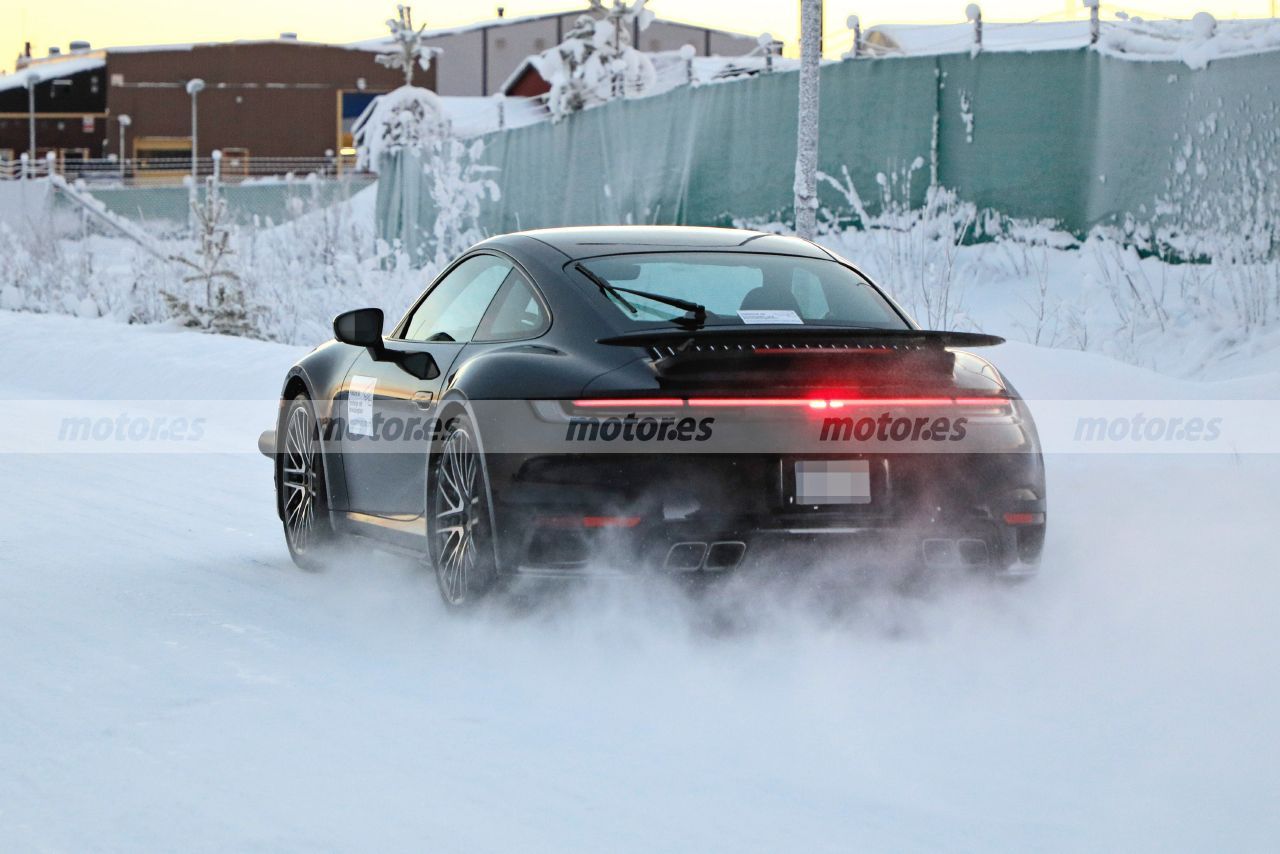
(939, 552)
(685, 557)
(973, 552)
(725, 555)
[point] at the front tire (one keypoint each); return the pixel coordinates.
(459, 524)
(302, 491)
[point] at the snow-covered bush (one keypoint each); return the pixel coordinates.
(403, 119)
(597, 62)
(289, 279)
(916, 248)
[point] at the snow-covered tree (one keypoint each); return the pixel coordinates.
(597, 62)
(225, 307)
(410, 48)
(410, 117)
(459, 185)
(806, 181)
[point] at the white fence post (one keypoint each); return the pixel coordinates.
(974, 13)
(1094, 25)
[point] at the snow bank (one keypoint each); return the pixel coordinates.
(153, 629)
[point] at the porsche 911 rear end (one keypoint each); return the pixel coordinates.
(712, 447)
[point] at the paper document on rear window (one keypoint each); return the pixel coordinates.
(769, 315)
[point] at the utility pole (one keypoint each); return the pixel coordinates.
(123, 121)
(194, 88)
(806, 181)
(32, 79)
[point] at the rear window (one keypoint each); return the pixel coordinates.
(741, 288)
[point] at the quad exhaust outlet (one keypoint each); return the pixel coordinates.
(692, 556)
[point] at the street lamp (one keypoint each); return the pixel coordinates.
(32, 79)
(194, 87)
(124, 121)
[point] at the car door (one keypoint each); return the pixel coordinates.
(389, 411)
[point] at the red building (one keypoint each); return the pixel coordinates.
(262, 99)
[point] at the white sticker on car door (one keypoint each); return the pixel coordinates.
(360, 405)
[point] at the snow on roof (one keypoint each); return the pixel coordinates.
(45, 70)
(150, 48)
(384, 42)
(1126, 38)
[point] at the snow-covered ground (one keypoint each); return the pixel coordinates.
(170, 681)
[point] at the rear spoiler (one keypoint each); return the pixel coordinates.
(807, 335)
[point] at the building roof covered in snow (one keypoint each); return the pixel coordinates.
(479, 58)
(54, 68)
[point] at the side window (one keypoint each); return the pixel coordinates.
(452, 311)
(514, 314)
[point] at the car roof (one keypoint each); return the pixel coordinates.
(592, 241)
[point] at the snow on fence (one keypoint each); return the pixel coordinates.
(1177, 157)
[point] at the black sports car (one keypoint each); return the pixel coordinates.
(569, 401)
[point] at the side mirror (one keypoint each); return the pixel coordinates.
(363, 328)
(360, 328)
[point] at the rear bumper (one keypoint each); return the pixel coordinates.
(566, 515)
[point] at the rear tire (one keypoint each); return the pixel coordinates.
(302, 492)
(459, 523)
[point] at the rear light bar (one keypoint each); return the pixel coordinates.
(622, 402)
(783, 402)
(589, 521)
(1024, 518)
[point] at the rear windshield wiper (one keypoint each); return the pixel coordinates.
(697, 312)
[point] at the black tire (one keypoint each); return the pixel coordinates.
(301, 489)
(459, 521)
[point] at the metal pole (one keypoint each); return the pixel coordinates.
(31, 115)
(806, 181)
(123, 121)
(195, 140)
(194, 88)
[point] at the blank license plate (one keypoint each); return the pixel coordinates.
(833, 482)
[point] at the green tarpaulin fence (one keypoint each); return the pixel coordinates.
(1072, 136)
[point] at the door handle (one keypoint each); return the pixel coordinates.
(423, 399)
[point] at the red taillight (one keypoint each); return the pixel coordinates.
(846, 402)
(748, 401)
(629, 402)
(1024, 518)
(589, 521)
(783, 402)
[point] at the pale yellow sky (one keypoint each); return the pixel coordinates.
(124, 22)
